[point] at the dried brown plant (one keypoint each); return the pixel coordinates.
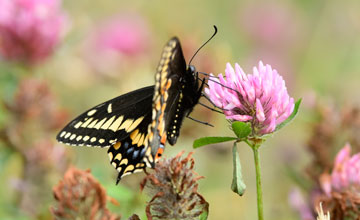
(341, 205)
(34, 117)
(332, 129)
(80, 196)
(174, 190)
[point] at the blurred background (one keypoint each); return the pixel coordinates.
(91, 51)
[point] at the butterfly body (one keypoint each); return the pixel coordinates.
(136, 125)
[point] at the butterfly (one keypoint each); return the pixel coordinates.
(135, 126)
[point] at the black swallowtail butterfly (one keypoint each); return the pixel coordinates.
(136, 125)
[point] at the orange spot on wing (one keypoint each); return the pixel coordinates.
(159, 153)
(168, 84)
(117, 145)
(163, 139)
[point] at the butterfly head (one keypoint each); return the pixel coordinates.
(191, 69)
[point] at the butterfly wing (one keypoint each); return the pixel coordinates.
(109, 122)
(167, 93)
(135, 125)
(127, 155)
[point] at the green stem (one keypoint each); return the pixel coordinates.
(255, 148)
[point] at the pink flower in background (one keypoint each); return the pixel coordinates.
(299, 203)
(346, 171)
(260, 98)
(29, 29)
(268, 23)
(127, 34)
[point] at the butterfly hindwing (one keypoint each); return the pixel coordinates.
(126, 156)
(109, 122)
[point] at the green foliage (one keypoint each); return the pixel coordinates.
(204, 216)
(241, 129)
(211, 140)
(238, 186)
(291, 117)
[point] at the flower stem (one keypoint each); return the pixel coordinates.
(255, 148)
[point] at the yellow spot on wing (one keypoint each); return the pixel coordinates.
(102, 140)
(114, 164)
(118, 157)
(137, 138)
(161, 128)
(141, 141)
(158, 106)
(93, 139)
(126, 124)
(146, 141)
(163, 82)
(129, 168)
(109, 108)
(67, 135)
(86, 122)
(73, 137)
(78, 124)
(91, 112)
(117, 145)
(86, 138)
(133, 134)
(135, 124)
(116, 123)
(110, 156)
(119, 169)
(62, 134)
(124, 161)
(92, 124)
(97, 126)
(168, 84)
(148, 152)
(79, 138)
(108, 123)
(150, 136)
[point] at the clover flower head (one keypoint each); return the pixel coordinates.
(30, 29)
(260, 98)
(346, 171)
(174, 190)
(126, 34)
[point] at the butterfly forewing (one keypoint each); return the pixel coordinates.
(109, 122)
(166, 94)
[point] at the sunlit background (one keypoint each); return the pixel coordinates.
(110, 47)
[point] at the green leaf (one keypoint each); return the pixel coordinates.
(238, 186)
(291, 117)
(241, 129)
(211, 140)
(204, 216)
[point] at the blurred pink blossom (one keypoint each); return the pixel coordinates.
(346, 171)
(260, 98)
(116, 43)
(29, 29)
(127, 34)
(299, 203)
(269, 23)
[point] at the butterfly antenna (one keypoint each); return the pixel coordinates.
(207, 98)
(201, 122)
(203, 44)
(212, 109)
(208, 75)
